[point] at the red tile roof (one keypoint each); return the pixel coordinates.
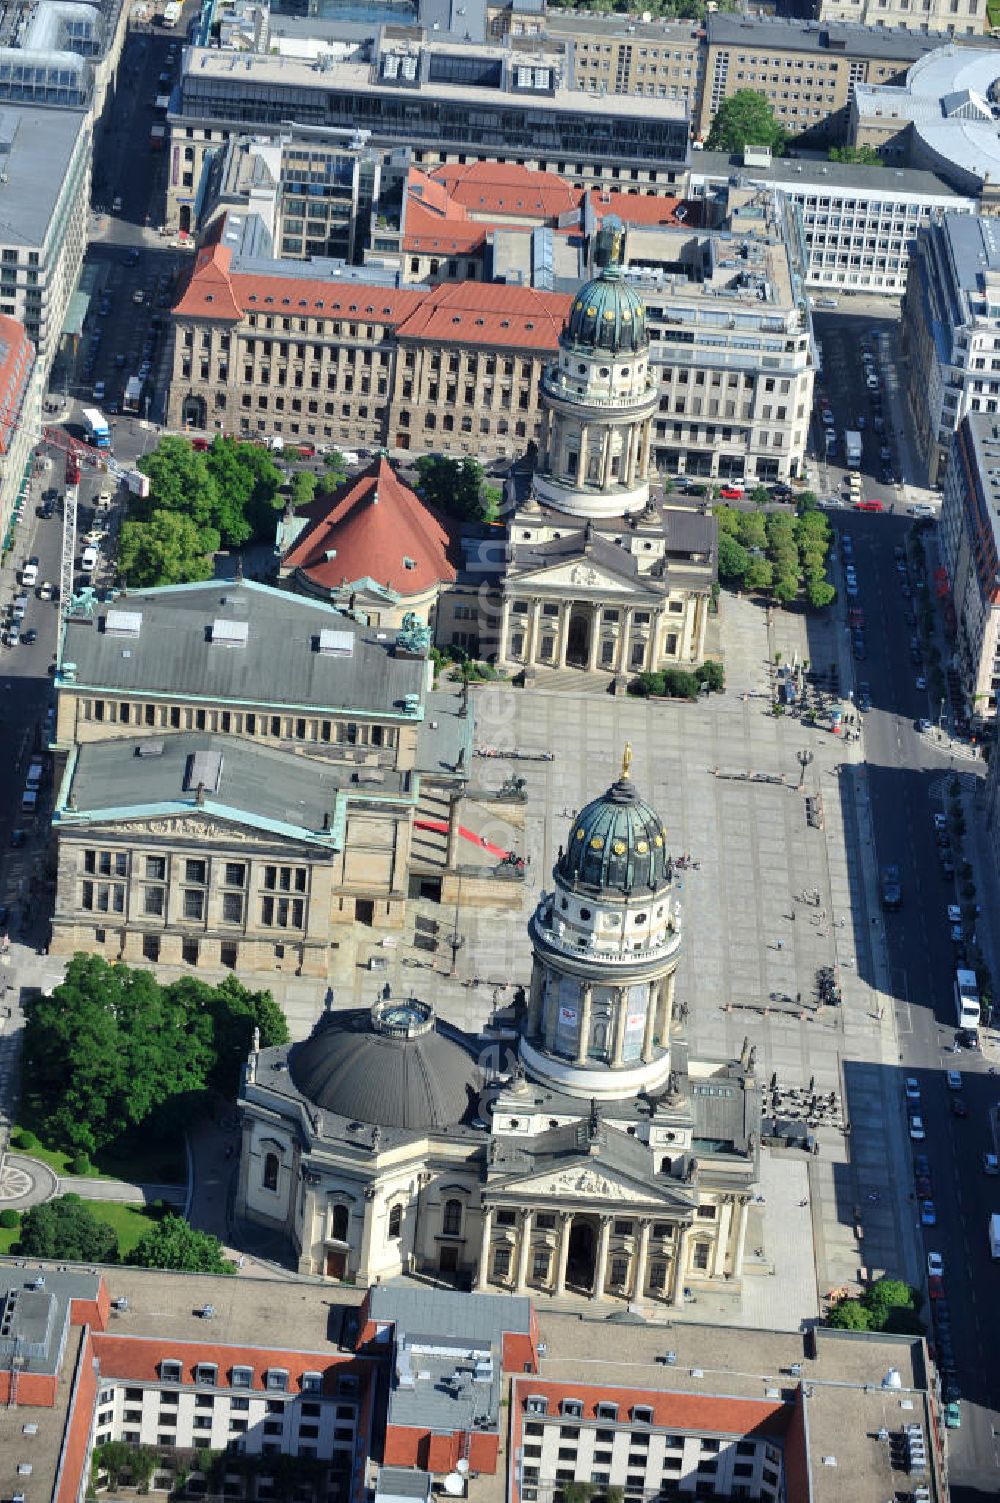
(209, 292)
(488, 313)
(507, 188)
(431, 232)
(17, 360)
(638, 208)
(371, 525)
(138, 1358)
(676, 1411)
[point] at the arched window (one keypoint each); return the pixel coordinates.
(452, 1223)
(395, 1221)
(666, 1165)
(270, 1180)
(341, 1217)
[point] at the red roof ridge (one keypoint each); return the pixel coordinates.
(374, 526)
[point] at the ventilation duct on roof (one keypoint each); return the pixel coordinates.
(123, 623)
(230, 633)
(336, 644)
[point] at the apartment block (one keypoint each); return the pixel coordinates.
(969, 540)
(951, 330)
(20, 401)
(808, 71)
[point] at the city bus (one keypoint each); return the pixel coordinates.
(96, 428)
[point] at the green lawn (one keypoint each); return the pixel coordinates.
(136, 1157)
(130, 1222)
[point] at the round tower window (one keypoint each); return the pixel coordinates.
(619, 848)
(585, 914)
(642, 846)
(597, 844)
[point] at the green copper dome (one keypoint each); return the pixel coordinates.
(607, 314)
(617, 843)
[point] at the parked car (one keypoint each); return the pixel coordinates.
(991, 1164)
(935, 1265)
(911, 1087)
(928, 1215)
(958, 1107)
(917, 1132)
(732, 493)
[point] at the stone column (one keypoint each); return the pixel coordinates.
(739, 1239)
(680, 1265)
(601, 1264)
(620, 1012)
(649, 1031)
(645, 434)
(531, 637)
(551, 1016)
(483, 1270)
(581, 470)
(504, 632)
(666, 1006)
(564, 615)
(524, 1250)
(583, 1039)
(606, 450)
(595, 637)
(628, 458)
(721, 1239)
(565, 1227)
(363, 1271)
(535, 1001)
(641, 1258)
(625, 640)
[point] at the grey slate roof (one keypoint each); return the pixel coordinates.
(565, 1147)
(268, 786)
(35, 1319)
(880, 44)
(279, 665)
(481, 1318)
(806, 173)
(346, 1067)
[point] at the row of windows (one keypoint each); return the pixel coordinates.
(237, 722)
(196, 870)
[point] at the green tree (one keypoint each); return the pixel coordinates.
(172, 1243)
(751, 529)
(759, 575)
(454, 486)
(166, 549)
(302, 488)
(865, 155)
(733, 559)
(67, 1228)
(335, 467)
(849, 1315)
(745, 119)
(820, 593)
(786, 587)
(712, 675)
(887, 1295)
(760, 495)
(233, 1011)
(728, 519)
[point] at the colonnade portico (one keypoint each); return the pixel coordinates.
(650, 1261)
(615, 636)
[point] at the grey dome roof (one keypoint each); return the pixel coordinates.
(618, 843)
(385, 1076)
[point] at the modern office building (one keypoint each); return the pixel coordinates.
(858, 223)
(807, 71)
(446, 101)
(969, 540)
(185, 717)
(44, 203)
(951, 329)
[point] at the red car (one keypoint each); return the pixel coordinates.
(200, 444)
(307, 451)
(856, 616)
(731, 493)
(868, 506)
(935, 1287)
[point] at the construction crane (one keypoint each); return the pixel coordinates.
(76, 454)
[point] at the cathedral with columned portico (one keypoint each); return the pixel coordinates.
(606, 571)
(598, 1158)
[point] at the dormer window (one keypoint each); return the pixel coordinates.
(572, 1408)
(607, 1411)
(170, 1371)
(536, 1404)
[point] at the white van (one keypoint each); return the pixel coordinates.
(29, 801)
(20, 608)
(88, 562)
(29, 576)
(35, 772)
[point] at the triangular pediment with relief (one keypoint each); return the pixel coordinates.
(596, 1184)
(185, 827)
(582, 576)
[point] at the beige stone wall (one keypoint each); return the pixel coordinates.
(459, 400)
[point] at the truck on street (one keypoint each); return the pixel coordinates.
(852, 448)
(96, 428)
(132, 400)
(966, 1000)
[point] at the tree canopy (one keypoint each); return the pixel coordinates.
(199, 501)
(458, 487)
(67, 1228)
(887, 1305)
(172, 1243)
(745, 119)
(112, 1048)
(865, 155)
(776, 553)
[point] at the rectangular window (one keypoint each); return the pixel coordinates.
(236, 874)
(194, 871)
(242, 1377)
(194, 903)
(152, 901)
(156, 868)
(232, 908)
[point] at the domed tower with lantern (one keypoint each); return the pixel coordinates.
(604, 570)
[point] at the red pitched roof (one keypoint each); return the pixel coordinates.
(139, 1357)
(371, 526)
(490, 313)
(427, 230)
(507, 188)
(671, 1410)
(209, 292)
(638, 208)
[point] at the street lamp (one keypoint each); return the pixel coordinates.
(804, 758)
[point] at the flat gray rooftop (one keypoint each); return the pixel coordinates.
(815, 174)
(450, 1314)
(39, 148)
(876, 43)
(278, 664)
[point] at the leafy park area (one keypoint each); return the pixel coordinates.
(112, 1055)
(199, 501)
(888, 1305)
(679, 683)
(776, 554)
(458, 488)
